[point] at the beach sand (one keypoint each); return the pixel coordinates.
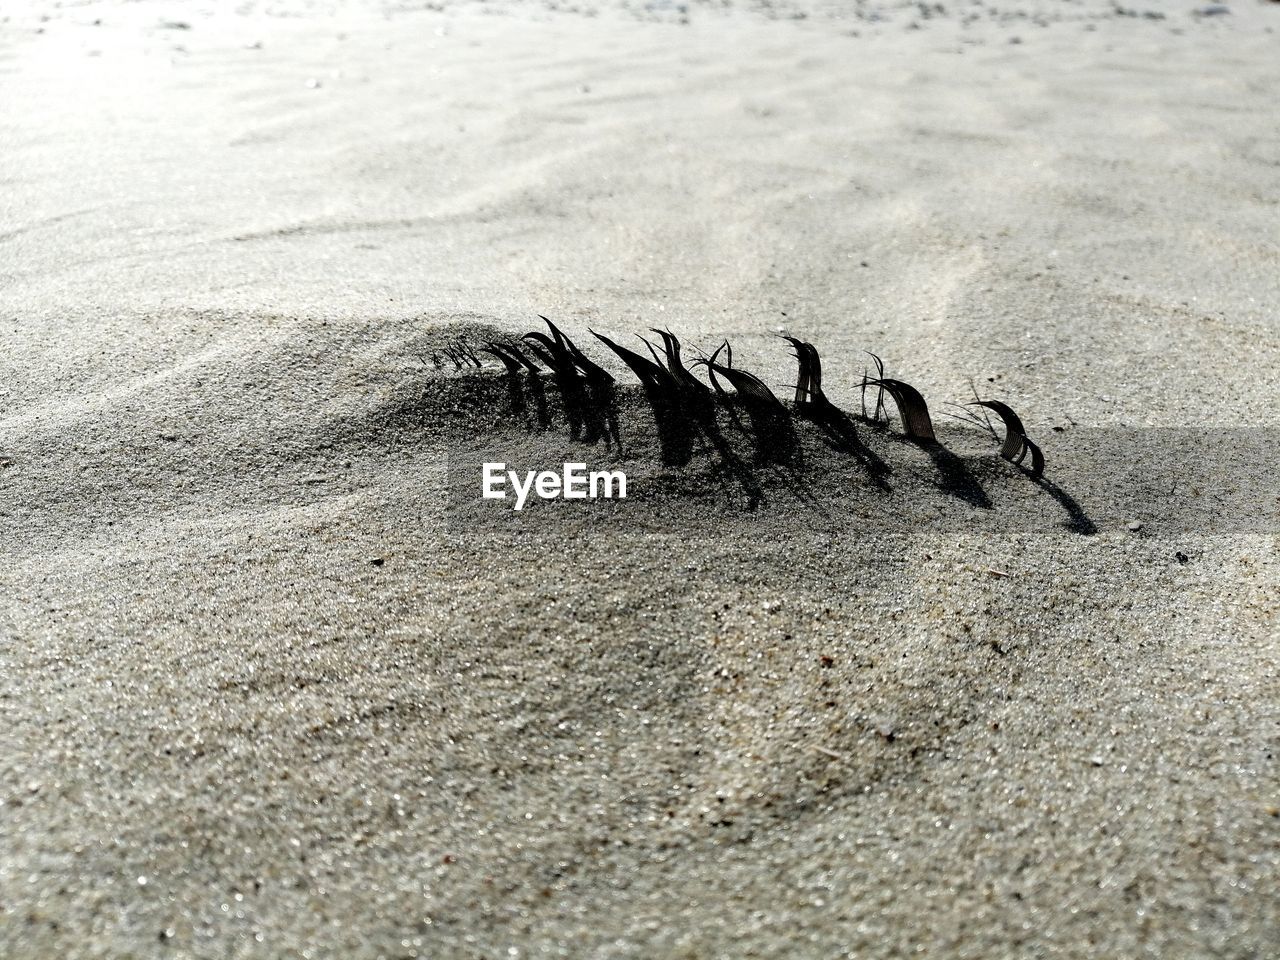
(268, 688)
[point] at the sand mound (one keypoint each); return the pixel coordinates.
(271, 684)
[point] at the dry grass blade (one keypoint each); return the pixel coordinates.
(541, 355)
(671, 347)
(1037, 458)
(549, 351)
(594, 373)
(573, 386)
(675, 365)
(965, 415)
(513, 348)
(878, 416)
(748, 385)
(1016, 444)
(809, 380)
(912, 408)
(513, 364)
(588, 390)
(1015, 434)
(650, 374)
(673, 413)
(812, 403)
(710, 364)
(775, 439)
(469, 355)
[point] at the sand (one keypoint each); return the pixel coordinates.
(270, 688)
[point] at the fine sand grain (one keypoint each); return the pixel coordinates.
(271, 687)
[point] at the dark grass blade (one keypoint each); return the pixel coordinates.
(671, 347)
(557, 357)
(710, 364)
(588, 390)
(965, 415)
(912, 408)
(804, 354)
(542, 355)
(512, 364)
(815, 373)
(648, 372)
(1037, 458)
(1015, 435)
(812, 403)
(1016, 443)
(675, 365)
(512, 349)
(878, 415)
(748, 385)
(469, 355)
(775, 437)
(667, 399)
(594, 373)
(577, 408)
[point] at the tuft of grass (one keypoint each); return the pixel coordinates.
(684, 407)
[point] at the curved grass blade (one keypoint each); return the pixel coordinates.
(911, 408)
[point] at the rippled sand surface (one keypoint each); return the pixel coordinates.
(268, 690)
